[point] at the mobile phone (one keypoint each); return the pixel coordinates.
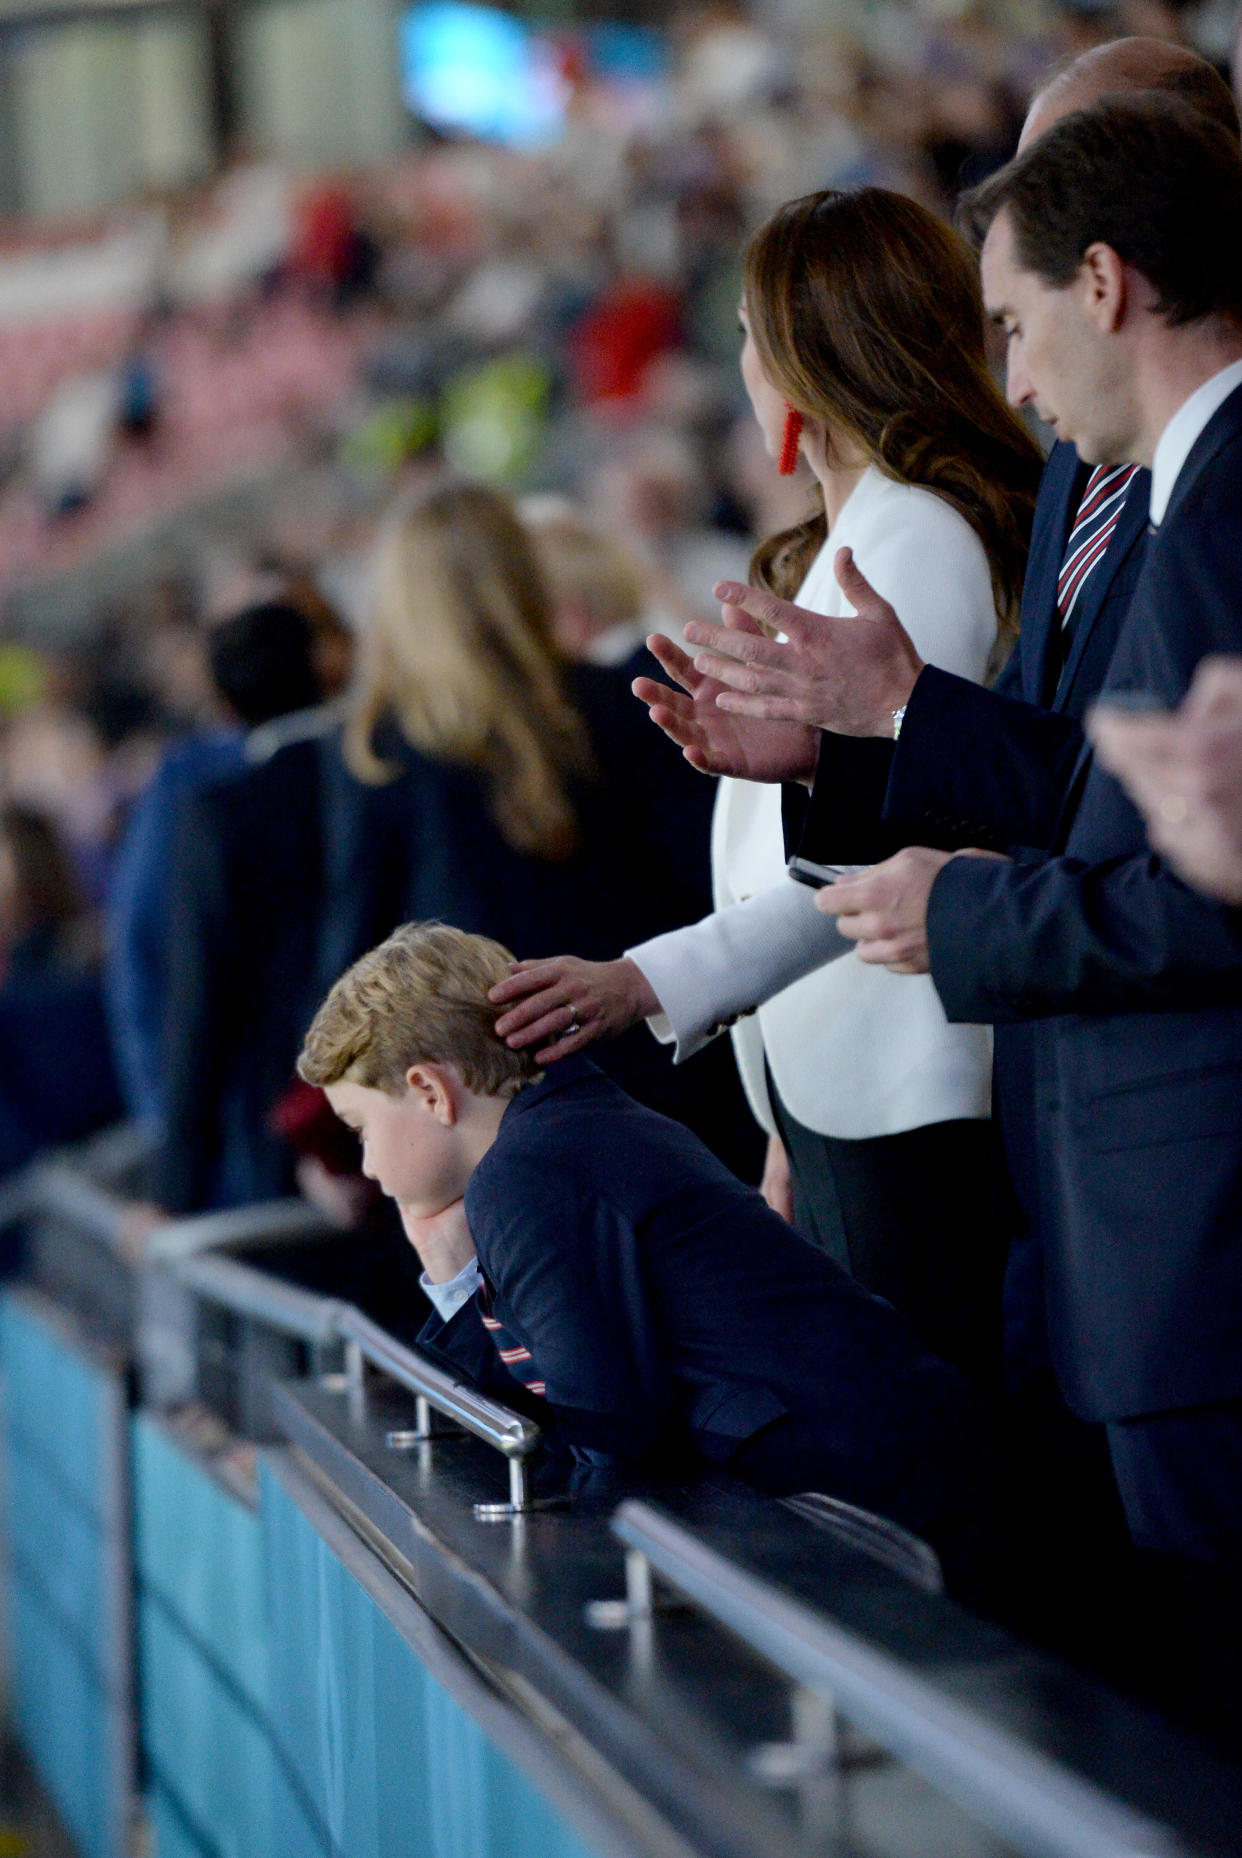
(804, 871)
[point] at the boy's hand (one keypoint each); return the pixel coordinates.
(442, 1240)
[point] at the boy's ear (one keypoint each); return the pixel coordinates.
(437, 1090)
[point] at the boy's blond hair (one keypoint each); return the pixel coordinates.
(419, 998)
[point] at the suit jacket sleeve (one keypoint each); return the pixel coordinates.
(463, 1346)
(976, 767)
(569, 1284)
(1026, 940)
(972, 767)
(709, 974)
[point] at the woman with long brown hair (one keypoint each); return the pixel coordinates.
(864, 355)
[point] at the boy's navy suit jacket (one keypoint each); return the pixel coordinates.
(675, 1317)
(1135, 980)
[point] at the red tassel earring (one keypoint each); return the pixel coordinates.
(788, 462)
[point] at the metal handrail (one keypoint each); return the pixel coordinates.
(58, 1187)
(189, 1249)
(319, 1320)
(1027, 1798)
(435, 1389)
(266, 1299)
(291, 1218)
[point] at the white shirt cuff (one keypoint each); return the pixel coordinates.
(713, 972)
(447, 1298)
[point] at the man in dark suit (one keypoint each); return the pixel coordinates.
(580, 1247)
(1131, 338)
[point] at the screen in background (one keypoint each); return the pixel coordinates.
(627, 55)
(474, 69)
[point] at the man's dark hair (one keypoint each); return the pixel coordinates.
(1147, 175)
(262, 662)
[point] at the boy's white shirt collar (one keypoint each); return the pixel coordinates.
(1177, 440)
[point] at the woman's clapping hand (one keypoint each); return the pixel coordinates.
(712, 740)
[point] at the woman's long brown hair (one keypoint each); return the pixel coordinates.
(866, 314)
(459, 654)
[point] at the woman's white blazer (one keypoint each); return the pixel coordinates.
(854, 1051)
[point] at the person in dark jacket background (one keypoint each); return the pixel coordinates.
(57, 1081)
(262, 667)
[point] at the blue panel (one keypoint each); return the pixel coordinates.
(59, 1404)
(292, 1835)
(322, 1660)
(522, 1824)
(200, 1549)
(171, 1837)
(456, 1761)
(58, 1549)
(394, 1766)
(61, 1515)
(202, 1739)
(292, 1552)
(63, 1717)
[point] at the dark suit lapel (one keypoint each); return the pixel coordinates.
(1131, 526)
(1063, 486)
(1224, 425)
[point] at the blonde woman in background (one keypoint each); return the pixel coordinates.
(503, 788)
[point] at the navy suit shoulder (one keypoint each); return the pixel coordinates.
(996, 768)
(673, 1316)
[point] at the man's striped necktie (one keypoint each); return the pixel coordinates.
(1098, 514)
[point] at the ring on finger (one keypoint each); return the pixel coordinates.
(575, 1025)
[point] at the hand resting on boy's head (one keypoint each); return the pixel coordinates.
(570, 1003)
